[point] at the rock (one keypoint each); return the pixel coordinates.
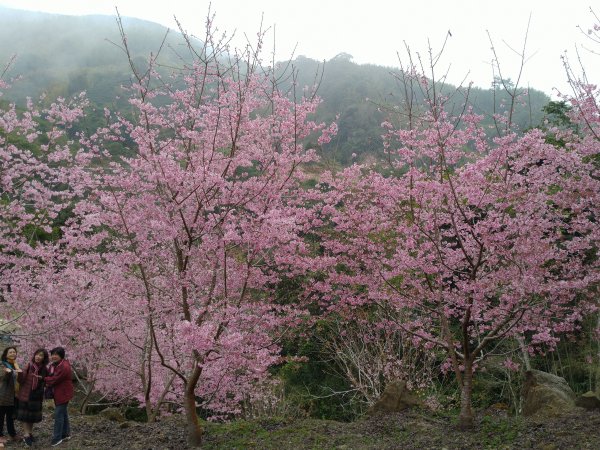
(396, 397)
(113, 414)
(589, 401)
(546, 395)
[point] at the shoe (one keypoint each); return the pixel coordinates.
(56, 443)
(28, 440)
(66, 438)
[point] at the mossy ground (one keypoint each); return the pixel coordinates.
(408, 430)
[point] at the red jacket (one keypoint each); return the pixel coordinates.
(62, 382)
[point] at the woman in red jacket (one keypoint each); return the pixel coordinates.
(61, 382)
(31, 393)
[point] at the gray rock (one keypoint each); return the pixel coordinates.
(589, 401)
(546, 395)
(396, 397)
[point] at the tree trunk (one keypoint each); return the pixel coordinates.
(465, 419)
(597, 380)
(195, 431)
(86, 399)
(154, 413)
(147, 402)
(524, 352)
(147, 362)
(151, 416)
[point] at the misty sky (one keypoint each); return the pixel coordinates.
(374, 31)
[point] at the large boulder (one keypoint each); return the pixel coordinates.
(589, 401)
(546, 394)
(396, 397)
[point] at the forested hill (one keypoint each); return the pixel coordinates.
(362, 95)
(63, 55)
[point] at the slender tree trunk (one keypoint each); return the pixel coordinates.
(195, 431)
(465, 418)
(154, 413)
(597, 390)
(524, 352)
(147, 388)
(86, 399)
(149, 410)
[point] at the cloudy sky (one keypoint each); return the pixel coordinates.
(374, 31)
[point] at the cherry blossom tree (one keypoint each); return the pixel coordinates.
(470, 240)
(182, 235)
(583, 113)
(35, 146)
(160, 277)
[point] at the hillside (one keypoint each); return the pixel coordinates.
(63, 55)
(363, 94)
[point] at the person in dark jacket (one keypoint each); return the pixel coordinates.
(61, 382)
(31, 393)
(9, 369)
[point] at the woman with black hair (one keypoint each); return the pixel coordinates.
(9, 369)
(31, 393)
(61, 382)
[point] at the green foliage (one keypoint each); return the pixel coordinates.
(556, 116)
(575, 358)
(37, 234)
(310, 384)
(500, 432)
(135, 413)
(413, 430)
(497, 386)
(556, 113)
(274, 434)
(364, 94)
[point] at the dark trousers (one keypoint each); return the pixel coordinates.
(61, 422)
(9, 413)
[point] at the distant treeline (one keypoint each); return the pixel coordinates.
(64, 55)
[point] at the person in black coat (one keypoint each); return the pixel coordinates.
(9, 369)
(31, 393)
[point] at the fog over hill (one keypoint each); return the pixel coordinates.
(63, 55)
(66, 54)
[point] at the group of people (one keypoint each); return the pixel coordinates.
(23, 391)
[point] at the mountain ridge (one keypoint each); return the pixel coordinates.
(64, 54)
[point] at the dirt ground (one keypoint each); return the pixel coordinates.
(409, 430)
